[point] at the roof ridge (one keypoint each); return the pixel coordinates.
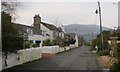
(21, 24)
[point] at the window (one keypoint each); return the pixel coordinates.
(31, 31)
(28, 31)
(31, 41)
(38, 41)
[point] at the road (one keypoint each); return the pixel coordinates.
(75, 59)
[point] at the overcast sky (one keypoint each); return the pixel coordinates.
(69, 12)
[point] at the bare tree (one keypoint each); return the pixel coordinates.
(9, 6)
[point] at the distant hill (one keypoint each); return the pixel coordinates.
(87, 31)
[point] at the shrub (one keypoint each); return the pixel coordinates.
(47, 42)
(103, 52)
(115, 67)
(27, 45)
(12, 40)
(72, 41)
(35, 45)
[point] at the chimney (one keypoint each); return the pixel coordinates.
(6, 19)
(37, 21)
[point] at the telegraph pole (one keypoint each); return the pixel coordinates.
(100, 23)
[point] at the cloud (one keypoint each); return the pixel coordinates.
(68, 12)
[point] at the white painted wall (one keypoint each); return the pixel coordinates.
(67, 48)
(30, 54)
(37, 37)
(61, 34)
(12, 60)
(26, 55)
(47, 31)
(76, 43)
(72, 46)
(50, 49)
(61, 49)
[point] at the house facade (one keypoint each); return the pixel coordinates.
(39, 31)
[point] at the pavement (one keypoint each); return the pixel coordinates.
(75, 59)
(103, 61)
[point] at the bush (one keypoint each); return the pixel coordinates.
(115, 68)
(27, 45)
(47, 42)
(53, 42)
(35, 45)
(103, 52)
(72, 41)
(12, 40)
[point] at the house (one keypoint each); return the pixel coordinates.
(39, 31)
(73, 36)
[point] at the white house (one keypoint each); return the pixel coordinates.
(76, 38)
(39, 31)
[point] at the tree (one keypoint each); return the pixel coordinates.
(104, 48)
(9, 7)
(12, 40)
(72, 41)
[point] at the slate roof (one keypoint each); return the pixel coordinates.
(51, 27)
(23, 28)
(20, 27)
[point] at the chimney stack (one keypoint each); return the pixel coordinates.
(37, 21)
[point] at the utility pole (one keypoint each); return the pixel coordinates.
(100, 23)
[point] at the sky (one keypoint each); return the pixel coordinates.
(64, 12)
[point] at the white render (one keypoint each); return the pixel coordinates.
(76, 43)
(26, 55)
(46, 30)
(37, 37)
(43, 31)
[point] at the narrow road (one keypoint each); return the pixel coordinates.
(75, 59)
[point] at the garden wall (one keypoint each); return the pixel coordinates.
(27, 55)
(23, 56)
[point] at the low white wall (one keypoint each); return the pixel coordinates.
(67, 48)
(12, 60)
(38, 37)
(55, 49)
(61, 49)
(25, 55)
(72, 46)
(31, 54)
(50, 49)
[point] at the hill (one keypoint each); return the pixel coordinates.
(89, 32)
